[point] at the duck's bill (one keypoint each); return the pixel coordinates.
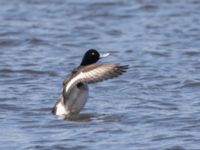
(102, 55)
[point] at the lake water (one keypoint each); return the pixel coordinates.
(154, 106)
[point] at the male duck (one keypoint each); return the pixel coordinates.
(75, 89)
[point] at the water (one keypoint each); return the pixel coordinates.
(154, 106)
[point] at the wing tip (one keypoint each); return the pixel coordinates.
(123, 68)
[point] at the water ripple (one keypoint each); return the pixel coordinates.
(25, 71)
(154, 106)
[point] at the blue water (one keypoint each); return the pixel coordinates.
(154, 106)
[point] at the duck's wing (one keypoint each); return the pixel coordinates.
(69, 76)
(95, 73)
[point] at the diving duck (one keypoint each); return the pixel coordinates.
(75, 86)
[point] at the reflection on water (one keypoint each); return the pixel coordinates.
(94, 117)
(79, 117)
(154, 106)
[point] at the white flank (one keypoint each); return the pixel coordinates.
(60, 109)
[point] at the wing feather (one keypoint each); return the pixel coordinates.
(95, 73)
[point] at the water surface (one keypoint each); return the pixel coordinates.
(154, 106)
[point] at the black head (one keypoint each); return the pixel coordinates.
(90, 57)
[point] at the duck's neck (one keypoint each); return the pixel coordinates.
(88, 62)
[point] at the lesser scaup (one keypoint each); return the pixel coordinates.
(75, 88)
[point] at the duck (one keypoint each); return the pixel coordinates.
(75, 91)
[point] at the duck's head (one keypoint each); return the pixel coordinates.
(92, 56)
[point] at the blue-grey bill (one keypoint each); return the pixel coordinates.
(104, 55)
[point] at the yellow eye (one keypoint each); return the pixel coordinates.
(93, 54)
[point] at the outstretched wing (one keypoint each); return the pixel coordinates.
(95, 73)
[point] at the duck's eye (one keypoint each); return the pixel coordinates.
(93, 53)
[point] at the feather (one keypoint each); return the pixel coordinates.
(93, 73)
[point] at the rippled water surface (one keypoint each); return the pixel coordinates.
(154, 106)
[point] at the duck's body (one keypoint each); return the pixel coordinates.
(75, 102)
(75, 88)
